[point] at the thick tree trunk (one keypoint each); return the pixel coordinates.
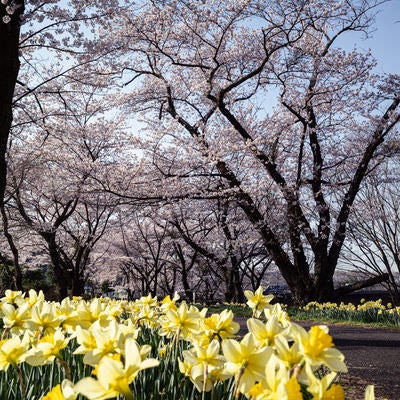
(9, 68)
(78, 285)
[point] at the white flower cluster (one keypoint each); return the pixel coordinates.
(10, 9)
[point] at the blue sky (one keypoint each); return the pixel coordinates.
(385, 41)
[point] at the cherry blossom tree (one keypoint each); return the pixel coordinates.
(249, 104)
(40, 43)
(53, 169)
(218, 232)
(30, 35)
(203, 73)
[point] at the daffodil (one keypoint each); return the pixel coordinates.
(277, 311)
(15, 318)
(317, 347)
(86, 341)
(13, 351)
(47, 348)
(257, 301)
(148, 300)
(92, 311)
(246, 361)
(182, 322)
(220, 326)
(54, 394)
(45, 318)
(289, 354)
(114, 377)
(13, 296)
(65, 391)
(107, 339)
(277, 384)
(146, 316)
(206, 365)
(265, 333)
(167, 303)
(34, 297)
(324, 388)
(75, 314)
(370, 392)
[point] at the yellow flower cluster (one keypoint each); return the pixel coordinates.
(364, 306)
(35, 332)
(275, 359)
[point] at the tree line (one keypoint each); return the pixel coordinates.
(195, 146)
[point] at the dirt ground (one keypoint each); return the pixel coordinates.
(372, 356)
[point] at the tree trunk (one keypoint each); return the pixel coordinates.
(235, 283)
(78, 285)
(9, 68)
(360, 285)
(58, 266)
(17, 272)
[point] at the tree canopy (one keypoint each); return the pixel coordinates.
(239, 123)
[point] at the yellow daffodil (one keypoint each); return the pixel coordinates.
(370, 392)
(277, 384)
(54, 394)
(146, 316)
(13, 351)
(246, 360)
(34, 297)
(167, 303)
(206, 365)
(257, 301)
(149, 300)
(317, 347)
(265, 333)
(86, 341)
(47, 348)
(65, 391)
(45, 318)
(221, 325)
(277, 311)
(93, 311)
(107, 340)
(182, 322)
(12, 296)
(75, 314)
(324, 388)
(15, 318)
(113, 377)
(289, 354)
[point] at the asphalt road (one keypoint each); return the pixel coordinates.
(372, 354)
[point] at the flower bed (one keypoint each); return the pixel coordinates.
(149, 349)
(370, 312)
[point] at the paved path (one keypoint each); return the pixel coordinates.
(372, 356)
